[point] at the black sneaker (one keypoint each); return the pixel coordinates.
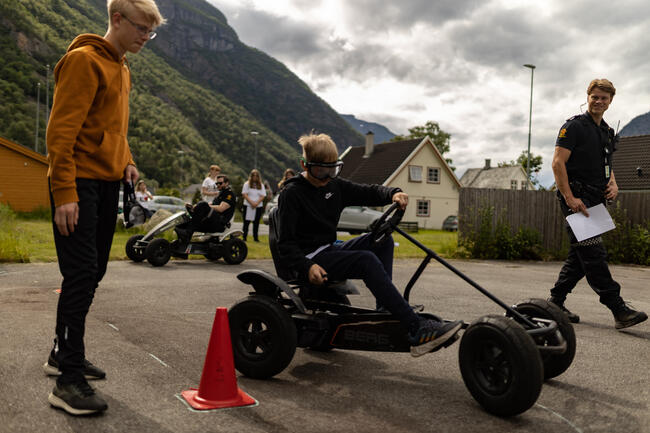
(624, 317)
(77, 398)
(91, 372)
(430, 334)
(573, 318)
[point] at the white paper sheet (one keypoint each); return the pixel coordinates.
(598, 222)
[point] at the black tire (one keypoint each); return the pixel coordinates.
(501, 365)
(133, 254)
(263, 336)
(158, 252)
(235, 251)
(554, 364)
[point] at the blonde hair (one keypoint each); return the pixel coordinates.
(214, 167)
(257, 183)
(318, 148)
(603, 84)
(147, 7)
(141, 182)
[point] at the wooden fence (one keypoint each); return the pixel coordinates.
(539, 210)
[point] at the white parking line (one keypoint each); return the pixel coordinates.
(113, 326)
(576, 428)
(158, 359)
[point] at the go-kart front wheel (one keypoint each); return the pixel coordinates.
(501, 365)
(158, 252)
(263, 336)
(137, 255)
(554, 363)
(235, 251)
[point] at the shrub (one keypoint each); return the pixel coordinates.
(11, 243)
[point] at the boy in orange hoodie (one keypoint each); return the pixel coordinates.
(89, 154)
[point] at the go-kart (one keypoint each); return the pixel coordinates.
(503, 359)
(157, 251)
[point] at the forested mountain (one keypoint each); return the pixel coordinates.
(198, 91)
(640, 125)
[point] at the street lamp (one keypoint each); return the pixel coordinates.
(255, 134)
(530, 117)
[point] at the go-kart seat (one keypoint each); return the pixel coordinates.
(289, 275)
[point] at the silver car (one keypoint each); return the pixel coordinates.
(354, 219)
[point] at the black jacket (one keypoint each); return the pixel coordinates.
(308, 215)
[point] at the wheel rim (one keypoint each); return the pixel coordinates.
(235, 250)
(255, 339)
(160, 253)
(493, 367)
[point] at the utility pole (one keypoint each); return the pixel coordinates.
(47, 94)
(38, 109)
(530, 119)
(255, 134)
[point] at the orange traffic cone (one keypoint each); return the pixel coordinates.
(218, 388)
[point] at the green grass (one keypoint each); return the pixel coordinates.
(30, 240)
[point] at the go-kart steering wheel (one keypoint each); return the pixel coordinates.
(384, 226)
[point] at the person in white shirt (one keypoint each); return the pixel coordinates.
(142, 194)
(253, 193)
(209, 188)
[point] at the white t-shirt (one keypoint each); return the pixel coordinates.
(254, 194)
(142, 198)
(211, 186)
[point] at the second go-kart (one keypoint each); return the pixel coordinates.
(504, 359)
(157, 251)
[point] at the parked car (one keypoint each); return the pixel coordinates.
(172, 204)
(450, 223)
(354, 219)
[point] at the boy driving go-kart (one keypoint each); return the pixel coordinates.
(207, 217)
(308, 211)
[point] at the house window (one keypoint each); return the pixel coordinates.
(513, 184)
(433, 175)
(524, 184)
(415, 173)
(423, 207)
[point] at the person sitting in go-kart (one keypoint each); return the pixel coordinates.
(309, 208)
(207, 217)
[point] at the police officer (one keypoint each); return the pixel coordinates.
(582, 167)
(208, 217)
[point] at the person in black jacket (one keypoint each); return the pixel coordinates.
(584, 178)
(308, 212)
(208, 218)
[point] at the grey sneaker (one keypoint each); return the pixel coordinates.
(624, 317)
(77, 398)
(430, 334)
(91, 372)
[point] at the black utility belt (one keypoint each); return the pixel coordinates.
(584, 190)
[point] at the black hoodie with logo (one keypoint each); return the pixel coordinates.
(308, 215)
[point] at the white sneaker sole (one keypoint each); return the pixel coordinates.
(427, 347)
(61, 404)
(53, 371)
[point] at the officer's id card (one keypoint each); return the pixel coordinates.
(598, 222)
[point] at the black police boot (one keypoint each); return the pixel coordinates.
(624, 316)
(573, 318)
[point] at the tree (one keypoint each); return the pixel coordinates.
(535, 165)
(439, 137)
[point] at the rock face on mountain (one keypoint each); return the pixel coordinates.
(199, 41)
(640, 125)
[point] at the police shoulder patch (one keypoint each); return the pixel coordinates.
(562, 133)
(228, 197)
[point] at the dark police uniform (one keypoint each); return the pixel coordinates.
(205, 219)
(589, 171)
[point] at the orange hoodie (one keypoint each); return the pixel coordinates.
(86, 134)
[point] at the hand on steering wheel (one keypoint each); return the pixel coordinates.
(384, 226)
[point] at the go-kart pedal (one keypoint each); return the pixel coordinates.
(431, 335)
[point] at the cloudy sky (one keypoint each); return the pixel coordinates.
(459, 63)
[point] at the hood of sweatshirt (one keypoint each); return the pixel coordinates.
(103, 48)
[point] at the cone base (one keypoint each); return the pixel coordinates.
(192, 398)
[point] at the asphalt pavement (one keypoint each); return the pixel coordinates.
(149, 329)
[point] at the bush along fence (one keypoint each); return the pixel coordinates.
(519, 224)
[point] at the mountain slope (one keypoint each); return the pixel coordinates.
(640, 125)
(382, 134)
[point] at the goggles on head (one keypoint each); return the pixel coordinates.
(323, 170)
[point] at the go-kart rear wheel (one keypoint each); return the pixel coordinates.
(137, 255)
(554, 364)
(501, 366)
(263, 336)
(235, 251)
(158, 252)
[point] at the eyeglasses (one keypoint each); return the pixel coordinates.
(323, 170)
(142, 29)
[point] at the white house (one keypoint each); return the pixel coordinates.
(511, 177)
(415, 166)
